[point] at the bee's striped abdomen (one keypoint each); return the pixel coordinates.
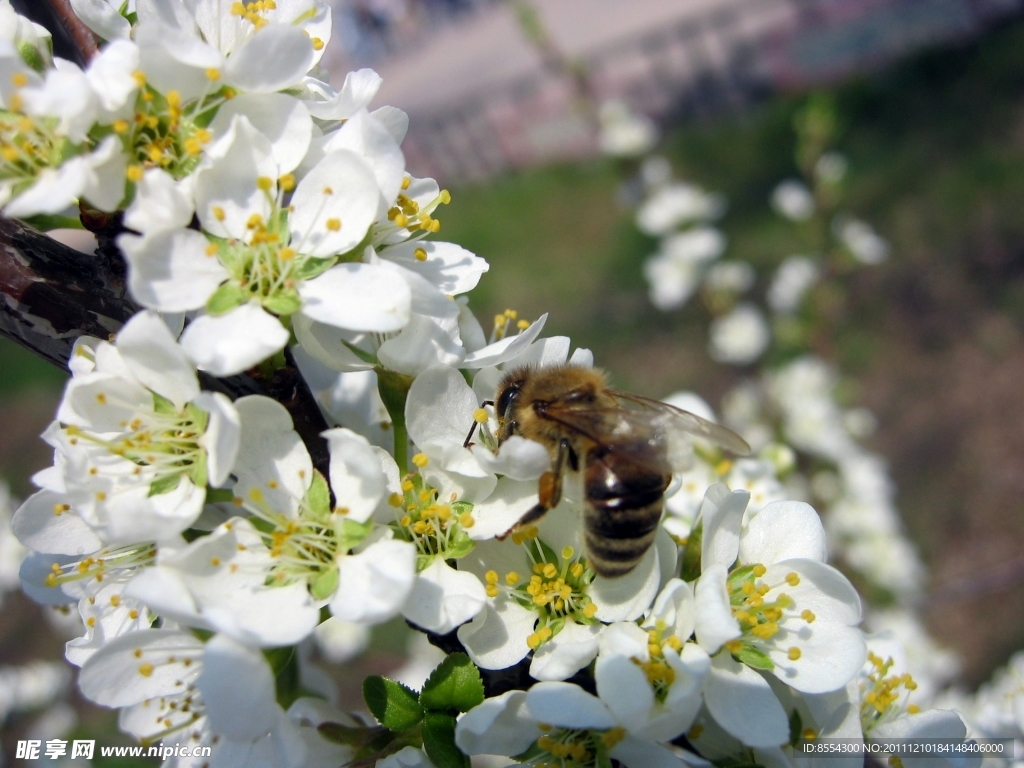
(620, 519)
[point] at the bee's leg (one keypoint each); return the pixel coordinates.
(472, 429)
(549, 490)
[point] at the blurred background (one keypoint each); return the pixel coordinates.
(928, 103)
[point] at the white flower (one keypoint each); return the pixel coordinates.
(866, 245)
(544, 598)
(674, 273)
(254, 260)
(562, 721)
(730, 277)
(739, 337)
(831, 167)
(778, 609)
(625, 133)
(792, 199)
(675, 204)
(794, 277)
(140, 442)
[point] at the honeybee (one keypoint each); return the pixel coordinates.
(626, 445)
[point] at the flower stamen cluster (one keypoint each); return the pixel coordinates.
(99, 565)
(572, 747)
(659, 674)
(759, 619)
(880, 691)
(438, 529)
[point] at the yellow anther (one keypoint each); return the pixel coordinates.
(734, 646)
(101, 496)
(792, 578)
(406, 182)
(91, 621)
(115, 600)
(577, 569)
(333, 224)
(491, 577)
(420, 460)
(794, 653)
(318, 44)
(759, 570)
(407, 485)
(287, 254)
(256, 495)
(913, 709)
(264, 183)
(590, 610)
(214, 561)
(809, 734)
(511, 578)
(134, 173)
(445, 197)
(522, 325)
(287, 182)
(567, 553)
(808, 616)
(613, 736)
(406, 521)
(146, 669)
(765, 631)
(695, 732)
(491, 590)
(218, 213)
(401, 219)
(747, 588)
(549, 570)
(499, 321)
(763, 589)
(420, 254)
(173, 99)
(19, 80)
(675, 643)
(120, 126)
(213, 74)
(254, 221)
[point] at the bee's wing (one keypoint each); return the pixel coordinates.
(676, 419)
(649, 434)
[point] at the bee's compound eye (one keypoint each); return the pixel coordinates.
(506, 399)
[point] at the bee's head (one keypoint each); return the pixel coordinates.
(505, 402)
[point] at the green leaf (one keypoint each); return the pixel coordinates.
(283, 304)
(439, 741)
(318, 497)
(324, 584)
(453, 685)
(285, 663)
(164, 484)
(754, 658)
(311, 267)
(690, 570)
(226, 298)
(44, 222)
(394, 705)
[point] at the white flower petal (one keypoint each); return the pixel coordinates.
(822, 589)
(784, 530)
(221, 439)
(234, 342)
(449, 267)
(374, 584)
(53, 191)
(171, 271)
(714, 623)
(368, 138)
(443, 598)
(496, 637)
(272, 462)
(627, 597)
(568, 706)
(506, 349)
(722, 513)
(110, 73)
(675, 606)
(359, 297)
(517, 458)
(423, 343)
(495, 515)
(742, 702)
(340, 187)
(102, 18)
(291, 50)
(38, 527)
(623, 687)
(356, 477)
(566, 653)
(639, 753)
(283, 119)
(154, 357)
(231, 674)
(831, 654)
(499, 726)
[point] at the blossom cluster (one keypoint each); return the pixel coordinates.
(271, 222)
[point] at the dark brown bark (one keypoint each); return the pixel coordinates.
(85, 41)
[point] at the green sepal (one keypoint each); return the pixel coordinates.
(754, 658)
(226, 298)
(198, 417)
(285, 663)
(351, 533)
(393, 704)
(439, 741)
(460, 546)
(324, 584)
(163, 406)
(541, 552)
(556, 625)
(423, 561)
(362, 354)
(219, 495)
(164, 484)
(32, 57)
(197, 473)
(602, 759)
(454, 684)
(318, 497)
(690, 570)
(312, 267)
(284, 303)
(355, 255)
(459, 508)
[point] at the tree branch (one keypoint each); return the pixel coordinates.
(85, 41)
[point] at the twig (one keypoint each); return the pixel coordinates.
(84, 39)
